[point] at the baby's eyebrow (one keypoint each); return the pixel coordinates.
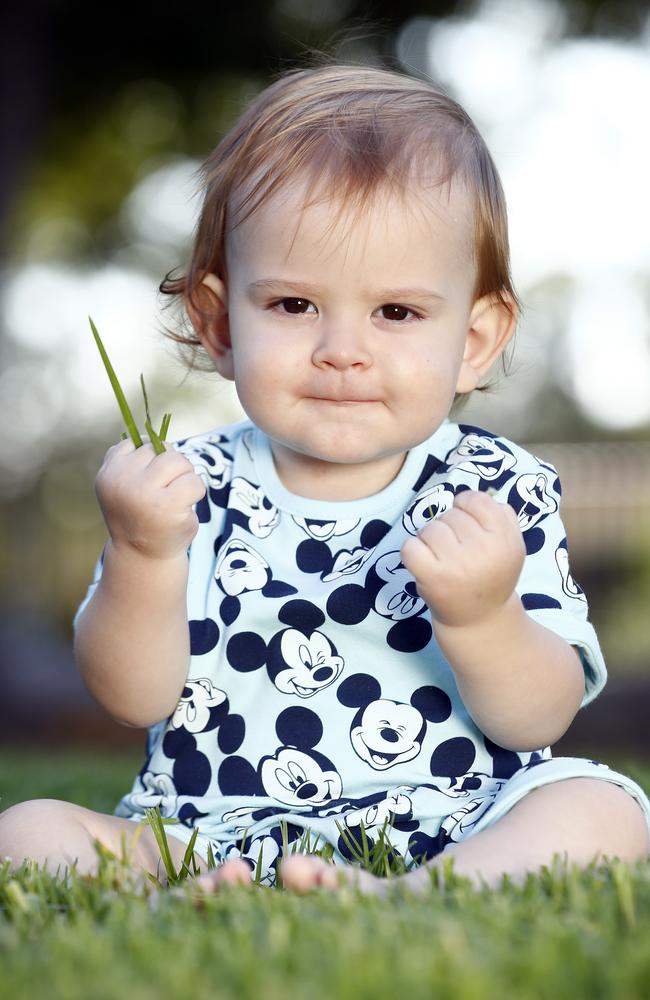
(272, 284)
(305, 288)
(390, 294)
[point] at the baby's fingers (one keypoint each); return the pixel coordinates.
(446, 538)
(125, 458)
(186, 489)
(418, 558)
(167, 467)
(489, 513)
(117, 452)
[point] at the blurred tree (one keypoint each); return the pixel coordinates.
(25, 98)
(63, 60)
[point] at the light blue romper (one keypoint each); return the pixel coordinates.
(317, 697)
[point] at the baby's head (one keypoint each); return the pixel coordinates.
(352, 132)
(361, 204)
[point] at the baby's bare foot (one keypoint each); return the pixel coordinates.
(233, 872)
(304, 872)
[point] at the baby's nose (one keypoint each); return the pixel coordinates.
(341, 346)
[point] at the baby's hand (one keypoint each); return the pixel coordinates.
(147, 499)
(467, 562)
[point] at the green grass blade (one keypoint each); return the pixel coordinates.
(258, 867)
(386, 853)
(305, 842)
(164, 427)
(158, 446)
(364, 845)
(327, 852)
(127, 416)
(624, 892)
(189, 855)
(284, 853)
(155, 821)
(315, 849)
(146, 398)
(284, 829)
(350, 842)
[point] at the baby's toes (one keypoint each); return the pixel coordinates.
(366, 882)
(233, 872)
(303, 872)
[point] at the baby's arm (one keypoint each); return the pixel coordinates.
(521, 683)
(132, 638)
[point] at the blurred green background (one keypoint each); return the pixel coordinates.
(107, 115)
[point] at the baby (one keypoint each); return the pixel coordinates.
(346, 614)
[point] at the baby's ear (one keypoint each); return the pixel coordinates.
(211, 322)
(492, 324)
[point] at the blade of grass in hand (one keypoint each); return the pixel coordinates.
(117, 389)
(158, 446)
(164, 427)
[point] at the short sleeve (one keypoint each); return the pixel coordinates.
(546, 587)
(210, 457)
(99, 565)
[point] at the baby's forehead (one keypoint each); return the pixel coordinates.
(444, 208)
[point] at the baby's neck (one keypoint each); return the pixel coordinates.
(319, 480)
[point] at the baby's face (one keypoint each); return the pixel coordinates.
(347, 336)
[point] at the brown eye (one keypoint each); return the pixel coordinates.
(295, 305)
(395, 312)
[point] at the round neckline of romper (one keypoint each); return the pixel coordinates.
(282, 498)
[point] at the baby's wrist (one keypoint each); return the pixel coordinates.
(475, 650)
(126, 553)
(498, 617)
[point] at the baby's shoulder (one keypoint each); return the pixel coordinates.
(470, 446)
(469, 456)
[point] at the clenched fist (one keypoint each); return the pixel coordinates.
(147, 499)
(467, 562)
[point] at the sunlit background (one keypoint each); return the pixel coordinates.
(105, 201)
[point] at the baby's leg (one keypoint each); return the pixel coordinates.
(56, 834)
(581, 819)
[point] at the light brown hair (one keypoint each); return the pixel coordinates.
(360, 128)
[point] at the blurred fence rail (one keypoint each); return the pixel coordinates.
(605, 497)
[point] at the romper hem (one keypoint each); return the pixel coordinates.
(546, 772)
(558, 769)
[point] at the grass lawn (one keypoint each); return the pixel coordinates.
(563, 934)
